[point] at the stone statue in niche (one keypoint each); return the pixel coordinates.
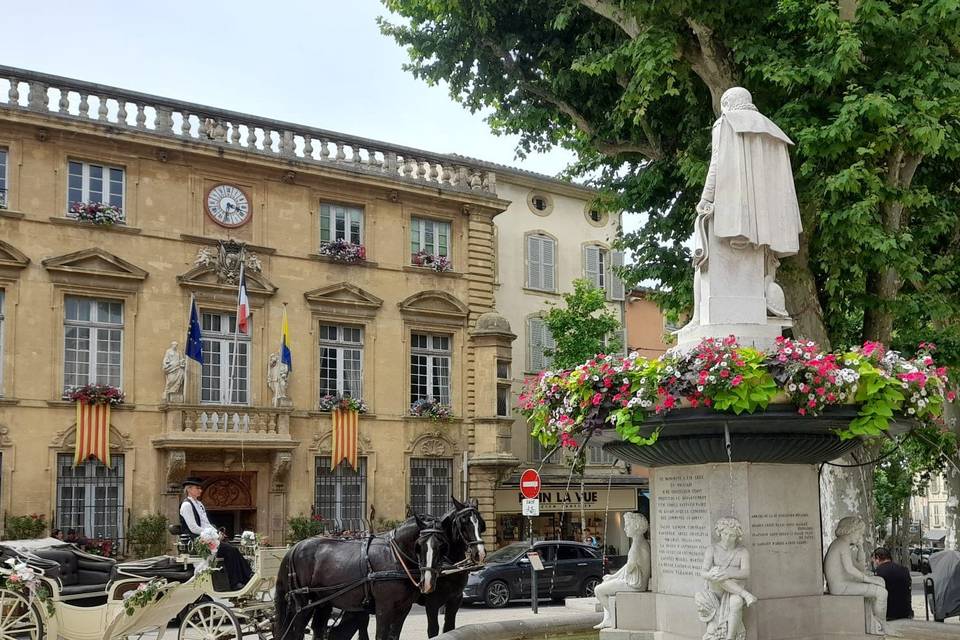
(278, 376)
(632, 576)
(844, 568)
(747, 219)
(174, 366)
(726, 567)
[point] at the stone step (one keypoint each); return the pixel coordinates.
(922, 630)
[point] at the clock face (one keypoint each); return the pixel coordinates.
(228, 205)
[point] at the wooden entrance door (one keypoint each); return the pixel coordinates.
(230, 498)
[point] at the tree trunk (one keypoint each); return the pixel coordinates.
(800, 289)
(951, 478)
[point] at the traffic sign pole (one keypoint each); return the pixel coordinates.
(530, 489)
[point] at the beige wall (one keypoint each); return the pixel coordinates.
(568, 224)
(166, 226)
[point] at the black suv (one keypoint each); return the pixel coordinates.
(569, 569)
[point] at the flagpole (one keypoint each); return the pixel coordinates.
(236, 331)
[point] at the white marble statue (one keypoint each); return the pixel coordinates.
(174, 366)
(278, 376)
(632, 576)
(748, 218)
(726, 567)
(844, 568)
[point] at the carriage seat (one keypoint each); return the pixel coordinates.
(163, 567)
(184, 540)
(78, 574)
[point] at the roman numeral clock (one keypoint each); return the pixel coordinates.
(228, 205)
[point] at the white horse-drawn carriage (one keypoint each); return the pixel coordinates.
(50, 590)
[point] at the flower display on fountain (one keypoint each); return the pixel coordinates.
(566, 407)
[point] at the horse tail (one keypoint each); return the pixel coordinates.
(284, 611)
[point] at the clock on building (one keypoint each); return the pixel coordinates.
(228, 205)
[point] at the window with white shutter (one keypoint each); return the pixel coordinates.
(594, 265)
(615, 290)
(541, 262)
(539, 339)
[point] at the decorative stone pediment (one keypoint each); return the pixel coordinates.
(434, 306)
(206, 279)
(11, 258)
(67, 439)
(343, 299)
(93, 265)
(433, 444)
(321, 443)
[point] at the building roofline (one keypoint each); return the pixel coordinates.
(530, 175)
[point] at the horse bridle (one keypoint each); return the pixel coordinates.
(401, 556)
(459, 515)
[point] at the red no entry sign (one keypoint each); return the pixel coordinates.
(530, 484)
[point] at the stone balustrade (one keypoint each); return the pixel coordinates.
(76, 100)
(224, 424)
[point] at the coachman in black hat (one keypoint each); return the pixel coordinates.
(193, 518)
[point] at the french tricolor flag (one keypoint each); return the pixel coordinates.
(243, 306)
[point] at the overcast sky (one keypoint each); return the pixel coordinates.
(322, 63)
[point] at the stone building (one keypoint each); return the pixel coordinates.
(83, 302)
(552, 234)
(932, 513)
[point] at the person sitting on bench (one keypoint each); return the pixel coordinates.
(193, 518)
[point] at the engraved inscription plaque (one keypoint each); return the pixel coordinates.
(683, 526)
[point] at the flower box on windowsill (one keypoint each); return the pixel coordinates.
(435, 411)
(73, 222)
(95, 394)
(330, 402)
(343, 251)
(440, 264)
(98, 213)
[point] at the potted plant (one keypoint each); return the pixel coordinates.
(343, 251)
(330, 402)
(796, 402)
(95, 393)
(430, 261)
(436, 411)
(97, 213)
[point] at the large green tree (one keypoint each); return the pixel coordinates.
(869, 90)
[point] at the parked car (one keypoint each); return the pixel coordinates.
(569, 569)
(920, 558)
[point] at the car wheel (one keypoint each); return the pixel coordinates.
(497, 594)
(589, 585)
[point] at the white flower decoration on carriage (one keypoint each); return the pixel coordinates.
(21, 572)
(248, 538)
(210, 537)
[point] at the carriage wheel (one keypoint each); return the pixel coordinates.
(210, 621)
(18, 617)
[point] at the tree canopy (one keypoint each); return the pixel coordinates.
(869, 91)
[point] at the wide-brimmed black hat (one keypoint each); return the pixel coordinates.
(192, 480)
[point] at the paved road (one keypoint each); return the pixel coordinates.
(918, 606)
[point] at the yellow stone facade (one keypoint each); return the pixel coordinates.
(266, 467)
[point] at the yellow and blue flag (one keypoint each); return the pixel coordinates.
(285, 356)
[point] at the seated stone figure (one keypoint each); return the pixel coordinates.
(632, 576)
(726, 567)
(843, 567)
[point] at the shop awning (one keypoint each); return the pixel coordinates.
(935, 535)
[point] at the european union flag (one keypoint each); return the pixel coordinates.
(194, 343)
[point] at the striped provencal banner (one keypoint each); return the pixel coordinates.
(93, 433)
(346, 425)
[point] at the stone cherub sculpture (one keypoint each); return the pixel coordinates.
(632, 576)
(278, 376)
(748, 218)
(843, 567)
(174, 366)
(726, 567)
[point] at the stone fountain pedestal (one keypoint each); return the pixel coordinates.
(772, 488)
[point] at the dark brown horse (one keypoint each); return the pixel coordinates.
(381, 574)
(463, 527)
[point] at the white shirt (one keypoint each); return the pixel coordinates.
(189, 517)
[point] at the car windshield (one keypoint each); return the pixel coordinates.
(508, 553)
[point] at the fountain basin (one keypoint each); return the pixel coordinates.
(777, 435)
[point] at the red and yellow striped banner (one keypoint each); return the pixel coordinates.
(93, 433)
(346, 426)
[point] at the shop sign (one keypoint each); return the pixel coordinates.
(554, 499)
